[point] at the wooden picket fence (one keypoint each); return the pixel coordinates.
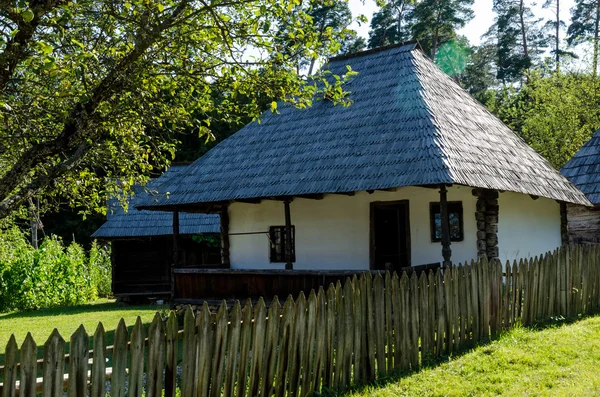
(352, 333)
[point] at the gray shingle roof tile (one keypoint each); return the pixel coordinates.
(584, 169)
(410, 124)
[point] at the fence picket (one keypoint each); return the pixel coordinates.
(456, 306)
(235, 327)
(462, 299)
(310, 342)
(321, 342)
(258, 346)
(136, 352)
(469, 303)
(370, 316)
(171, 351)
(476, 328)
(357, 314)
(441, 313)
(119, 361)
(389, 344)
(405, 345)
(297, 343)
(270, 355)
(79, 351)
(53, 367)
(204, 348)
(188, 365)
(330, 341)
(29, 368)
(365, 320)
(396, 318)
(287, 323)
(11, 359)
(156, 357)
(219, 350)
(424, 317)
(448, 287)
(379, 306)
(414, 321)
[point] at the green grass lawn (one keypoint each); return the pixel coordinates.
(67, 319)
(558, 361)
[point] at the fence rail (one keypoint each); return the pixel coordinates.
(348, 334)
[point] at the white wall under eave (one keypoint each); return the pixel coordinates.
(527, 227)
(333, 233)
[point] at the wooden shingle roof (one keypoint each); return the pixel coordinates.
(584, 169)
(409, 125)
(134, 223)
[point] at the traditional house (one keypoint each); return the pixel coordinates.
(143, 249)
(414, 172)
(584, 171)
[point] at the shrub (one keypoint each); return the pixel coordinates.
(52, 275)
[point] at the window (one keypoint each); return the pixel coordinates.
(277, 244)
(455, 219)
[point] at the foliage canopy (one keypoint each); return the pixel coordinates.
(95, 91)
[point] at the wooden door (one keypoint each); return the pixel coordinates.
(390, 235)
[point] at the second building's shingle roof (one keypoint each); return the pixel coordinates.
(584, 169)
(410, 124)
(134, 223)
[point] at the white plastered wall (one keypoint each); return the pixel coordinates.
(333, 233)
(527, 227)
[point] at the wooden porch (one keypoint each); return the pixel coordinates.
(195, 285)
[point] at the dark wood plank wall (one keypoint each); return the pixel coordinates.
(583, 224)
(142, 266)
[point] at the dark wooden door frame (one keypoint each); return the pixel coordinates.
(374, 204)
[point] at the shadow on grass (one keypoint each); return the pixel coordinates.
(70, 310)
(433, 362)
(48, 313)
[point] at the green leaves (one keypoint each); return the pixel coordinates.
(121, 83)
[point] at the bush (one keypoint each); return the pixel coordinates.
(52, 275)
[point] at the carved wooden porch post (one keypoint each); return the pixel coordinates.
(445, 237)
(224, 214)
(288, 235)
(175, 251)
(564, 224)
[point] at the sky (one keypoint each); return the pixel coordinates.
(484, 16)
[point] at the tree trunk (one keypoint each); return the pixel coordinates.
(523, 30)
(557, 47)
(595, 61)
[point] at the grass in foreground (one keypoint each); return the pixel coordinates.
(67, 319)
(558, 361)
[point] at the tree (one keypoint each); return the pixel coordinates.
(519, 38)
(585, 20)
(555, 26)
(93, 91)
(391, 24)
(331, 20)
(436, 22)
(555, 115)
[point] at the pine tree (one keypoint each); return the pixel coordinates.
(390, 24)
(332, 19)
(554, 27)
(436, 22)
(585, 20)
(519, 38)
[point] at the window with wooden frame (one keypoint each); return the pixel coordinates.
(455, 220)
(277, 244)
